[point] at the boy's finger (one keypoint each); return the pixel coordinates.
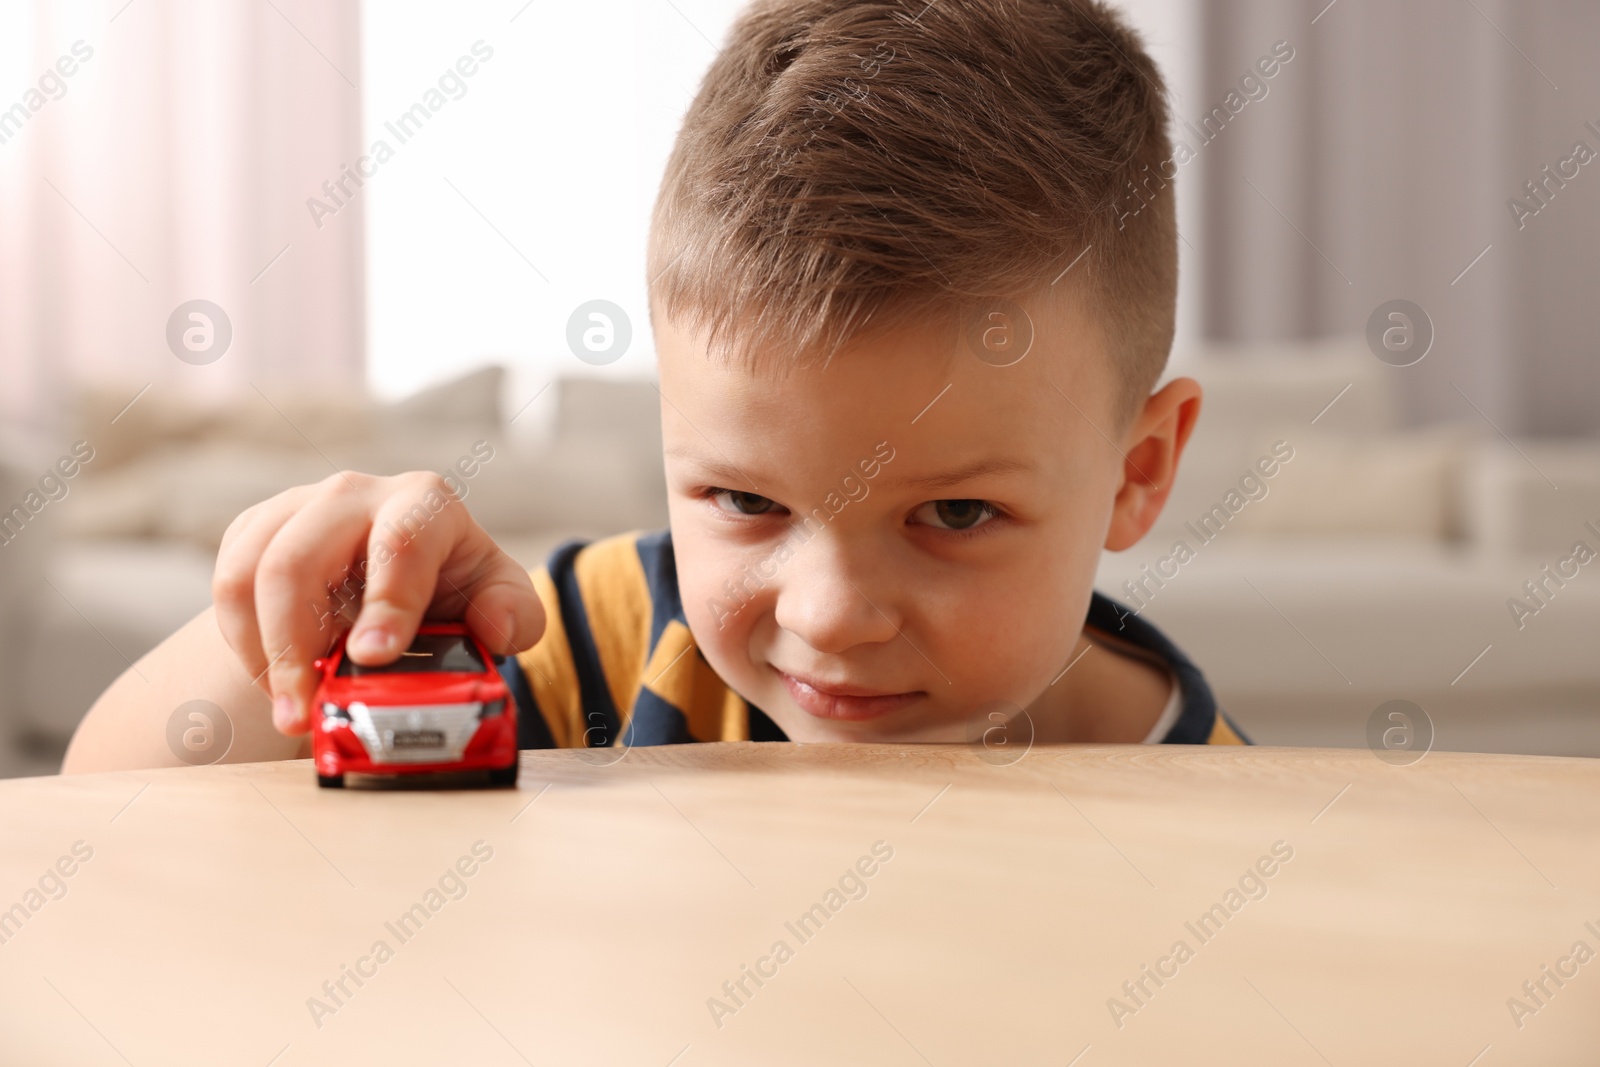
(503, 609)
(316, 548)
(414, 532)
(233, 581)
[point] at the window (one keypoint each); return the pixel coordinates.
(428, 654)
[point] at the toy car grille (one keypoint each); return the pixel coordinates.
(426, 733)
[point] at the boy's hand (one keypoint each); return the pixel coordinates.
(289, 565)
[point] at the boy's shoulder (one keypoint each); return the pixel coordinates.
(1197, 719)
(617, 660)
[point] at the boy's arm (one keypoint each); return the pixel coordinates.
(127, 726)
(404, 547)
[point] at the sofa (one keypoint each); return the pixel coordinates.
(1377, 564)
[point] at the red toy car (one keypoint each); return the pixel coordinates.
(441, 706)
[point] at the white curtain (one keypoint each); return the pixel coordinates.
(1379, 166)
(173, 163)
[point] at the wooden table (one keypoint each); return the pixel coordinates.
(594, 915)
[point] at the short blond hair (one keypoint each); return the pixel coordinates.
(850, 165)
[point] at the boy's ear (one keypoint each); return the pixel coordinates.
(1151, 447)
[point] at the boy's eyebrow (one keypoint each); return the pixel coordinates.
(979, 469)
(719, 470)
(966, 473)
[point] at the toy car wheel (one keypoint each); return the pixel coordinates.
(331, 781)
(504, 775)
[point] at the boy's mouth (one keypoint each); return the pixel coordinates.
(850, 703)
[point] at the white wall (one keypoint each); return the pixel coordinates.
(1172, 35)
(559, 142)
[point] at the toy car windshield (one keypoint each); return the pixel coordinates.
(428, 654)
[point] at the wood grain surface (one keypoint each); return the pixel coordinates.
(960, 911)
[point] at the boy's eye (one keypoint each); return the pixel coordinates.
(955, 514)
(741, 503)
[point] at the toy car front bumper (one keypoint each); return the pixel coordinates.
(339, 747)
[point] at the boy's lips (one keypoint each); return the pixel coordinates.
(851, 703)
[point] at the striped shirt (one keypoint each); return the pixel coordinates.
(617, 660)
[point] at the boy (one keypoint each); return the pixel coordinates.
(913, 278)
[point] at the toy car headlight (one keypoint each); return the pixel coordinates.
(334, 711)
(492, 708)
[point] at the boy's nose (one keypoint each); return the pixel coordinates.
(830, 601)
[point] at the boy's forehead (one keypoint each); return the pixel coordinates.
(1007, 354)
(923, 387)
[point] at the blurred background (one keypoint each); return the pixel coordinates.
(244, 243)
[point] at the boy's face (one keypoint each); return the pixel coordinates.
(886, 547)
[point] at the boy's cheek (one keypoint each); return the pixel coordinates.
(719, 620)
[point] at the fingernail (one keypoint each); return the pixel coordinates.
(284, 714)
(372, 642)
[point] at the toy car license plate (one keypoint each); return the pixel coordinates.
(418, 739)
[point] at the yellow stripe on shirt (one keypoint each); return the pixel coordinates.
(1222, 733)
(550, 670)
(618, 605)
